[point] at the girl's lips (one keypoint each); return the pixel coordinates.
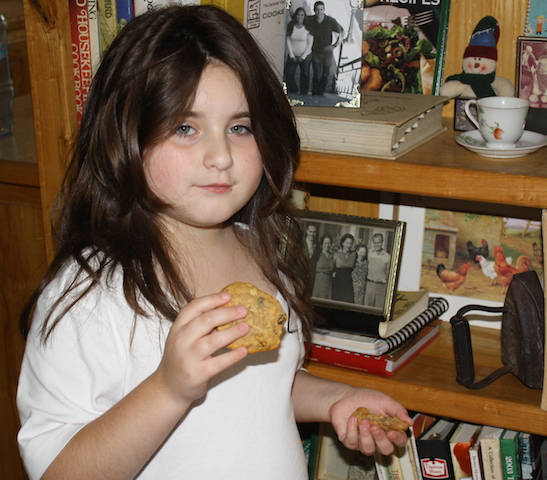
(217, 188)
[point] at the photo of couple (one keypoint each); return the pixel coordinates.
(323, 52)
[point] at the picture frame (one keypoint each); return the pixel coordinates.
(354, 277)
(531, 84)
(336, 80)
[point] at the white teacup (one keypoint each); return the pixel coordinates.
(500, 120)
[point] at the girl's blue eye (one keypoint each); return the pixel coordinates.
(239, 129)
(185, 130)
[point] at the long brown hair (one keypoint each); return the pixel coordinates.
(107, 215)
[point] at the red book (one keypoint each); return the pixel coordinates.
(81, 52)
(384, 365)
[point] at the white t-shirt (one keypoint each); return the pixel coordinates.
(242, 429)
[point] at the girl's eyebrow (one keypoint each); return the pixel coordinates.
(237, 115)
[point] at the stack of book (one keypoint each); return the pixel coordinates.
(437, 449)
(414, 327)
(454, 450)
(461, 450)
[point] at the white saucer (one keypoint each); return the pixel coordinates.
(528, 143)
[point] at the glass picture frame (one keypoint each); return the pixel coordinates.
(354, 264)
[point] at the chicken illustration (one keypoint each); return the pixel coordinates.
(474, 250)
(487, 268)
(505, 271)
(453, 279)
(537, 251)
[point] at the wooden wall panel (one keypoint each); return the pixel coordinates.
(22, 263)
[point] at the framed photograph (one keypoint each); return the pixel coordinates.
(354, 262)
(404, 46)
(532, 70)
(323, 49)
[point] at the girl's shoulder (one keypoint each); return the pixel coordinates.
(78, 298)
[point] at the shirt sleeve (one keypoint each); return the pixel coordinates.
(70, 380)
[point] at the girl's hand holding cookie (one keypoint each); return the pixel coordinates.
(188, 361)
(361, 434)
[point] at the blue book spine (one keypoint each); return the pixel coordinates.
(125, 12)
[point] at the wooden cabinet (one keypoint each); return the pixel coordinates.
(439, 169)
(22, 263)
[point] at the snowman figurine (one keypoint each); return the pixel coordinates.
(478, 78)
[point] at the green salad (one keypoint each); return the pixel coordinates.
(395, 55)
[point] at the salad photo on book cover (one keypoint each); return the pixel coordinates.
(404, 46)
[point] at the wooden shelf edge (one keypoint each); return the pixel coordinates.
(420, 179)
(427, 384)
(438, 168)
(19, 173)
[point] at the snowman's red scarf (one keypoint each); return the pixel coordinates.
(481, 84)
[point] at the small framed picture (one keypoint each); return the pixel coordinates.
(532, 70)
(354, 263)
(323, 50)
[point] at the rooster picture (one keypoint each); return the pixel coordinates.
(474, 250)
(453, 279)
(506, 271)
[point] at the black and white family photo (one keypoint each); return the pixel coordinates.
(352, 264)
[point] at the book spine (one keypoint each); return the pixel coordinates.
(434, 452)
(142, 6)
(94, 34)
(408, 464)
(108, 22)
(81, 52)
(396, 467)
(383, 467)
(421, 423)
(509, 458)
(346, 359)
(436, 308)
(124, 12)
(475, 460)
(442, 39)
(491, 459)
(526, 456)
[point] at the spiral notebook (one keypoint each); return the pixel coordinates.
(374, 345)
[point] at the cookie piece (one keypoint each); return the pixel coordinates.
(266, 318)
(387, 423)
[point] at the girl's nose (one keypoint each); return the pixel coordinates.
(218, 154)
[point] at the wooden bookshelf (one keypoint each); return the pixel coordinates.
(442, 168)
(439, 168)
(428, 384)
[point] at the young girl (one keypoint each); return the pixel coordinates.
(178, 186)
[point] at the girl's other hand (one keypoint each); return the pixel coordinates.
(188, 361)
(362, 435)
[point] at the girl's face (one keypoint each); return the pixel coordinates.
(300, 16)
(211, 166)
(326, 245)
(362, 253)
